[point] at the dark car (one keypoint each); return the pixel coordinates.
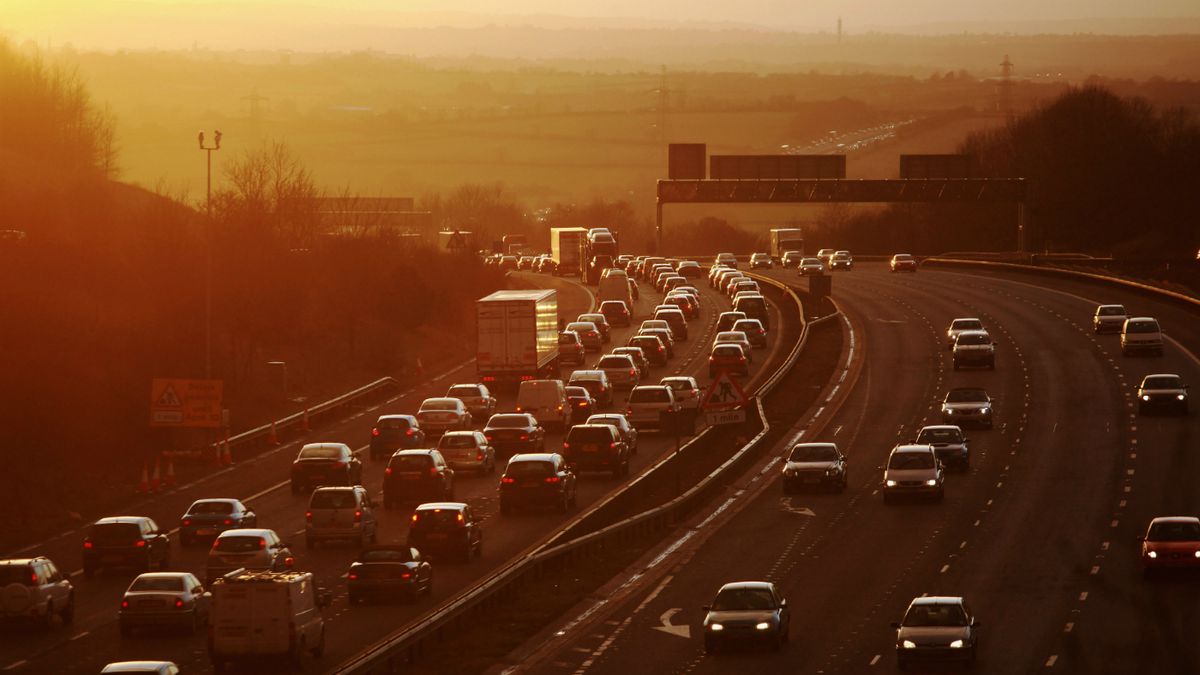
(968, 405)
(125, 541)
(416, 475)
(747, 612)
(726, 320)
(690, 269)
(754, 307)
(395, 432)
(446, 530)
(581, 401)
(1163, 391)
(652, 347)
(936, 628)
(570, 348)
(534, 480)
(325, 464)
(616, 312)
(596, 447)
(511, 433)
(949, 444)
(815, 465)
(618, 421)
(388, 571)
(596, 382)
(206, 518)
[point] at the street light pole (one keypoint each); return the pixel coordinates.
(208, 253)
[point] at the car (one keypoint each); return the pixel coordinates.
(250, 548)
(546, 265)
(913, 470)
(948, 443)
(596, 447)
(325, 464)
(616, 271)
(477, 397)
(581, 401)
(902, 262)
(638, 357)
(652, 347)
(742, 286)
(1109, 318)
(346, 513)
(468, 451)
(761, 261)
(736, 337)
(164, 599)
(936, 628)
(628, 433)
(621, 370)
(35, 590)
(841, 261)
(598, 384)
(729, 357)
(141, 668)
(676, 321)
(1162, 391)
(509, 263)
(726, 320)
(537, 480)
(727, 259)
(686, 303)
(815, 465)
(525, 262)
(968, 405)
(446, 530)
(825, 254)
(601, 322)
(134, 542)
(664, 336)
(686, 391)
(690, 269)
(746, 611)
(616, 312)
(811, 267)
(633, 289)
(570, 348)
(791, 258)
(1141, 334)
(206, 518)
(395, 432)
(974, 348)
(388, 570)
(671, 282)
(650, 324)
(623, 260)
(510, 433)
(1170, 542)
(589, 334)
(754, 331)
(415, 476)
(647, 404)
(959, 325)
(721, 281)
(714, 270)
(660, 278)
(441, 414)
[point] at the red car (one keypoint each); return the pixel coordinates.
(729, 357)
(1171, 542)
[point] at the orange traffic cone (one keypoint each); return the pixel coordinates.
(144, 484)
(227, 458)
(169, 481)
(304, 422)
(155, 480)
(273, 436)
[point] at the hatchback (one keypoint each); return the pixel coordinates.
(395, 432)
(749, 612)
(254, 549)
(936, 628)
(537, 480)
(446, 529)
(325, 464)
(415, 476)
(468, 451)
(386, 571)
(164, 600)
(206, 518)
(125, 541)
(346, 513)
(515, 432)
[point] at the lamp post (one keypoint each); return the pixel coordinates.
(208, 253)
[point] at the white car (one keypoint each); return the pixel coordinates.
(35, 589)
(959, 325)
(811, 267)
(154, 599)
(687, 392)
(622, 372)
(1141, 334)
(1109, 318)
(736, 337)
(469, 450)
(478, 399)
(647, 403)
(439, 415)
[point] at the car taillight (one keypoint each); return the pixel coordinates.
(140, 543)
(559, 408)
(343, 463)
(375, 431)
(632, 372)
(408, 432)
(566, 445)
(520, 409)
(358, 516)
(612, 445)
(660, 348)
(524, 437)
(415, 517)
(308, 516)
(712, 358)
(124, 604)
(228, 521)
(741, 358)
(433, 471)
(406, 575)
(387, 471)
(87, 543)
(479, 455)
(178, 603)
(552, 479)
(352, 576)
(507, 481)
(488, 378)
(459, 517)
(289, 562)
(629, 411)
(186, 522)
(262, 543)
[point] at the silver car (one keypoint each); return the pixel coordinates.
(913, 471)
(439, 415)
(622, 372)
(736, 337)
(936, 628)
(166, 599)
(967, 405)
(478, 399)
(647, 404)
(468, 450)
(1141, 334)
(340, 513)
(959, 325)
(974, 348)
(588, 333)
(811, 267)
(251, 548)
(1108, 318)
(948, 442)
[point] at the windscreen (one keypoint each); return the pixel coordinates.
(1174, 531)
(935, 615)
(1161, 382)
(615, 362)
(727, 350)
(115, 533)
(931, 436)
(144, 583)
(321, 452)
(740, 599)
(569, 339)
(240, 544)
(410, 463)
(439, 404)
(436, 518)
(903, 461)
(650, 395)
(1113, 310)
(974, 339)
(967, 324)
(1141, 327)
(530, 469)
(386, 555)
(215, 508)
(393, 423)
(332, 499)
(966, 396)
(813, 453)
(458, 391)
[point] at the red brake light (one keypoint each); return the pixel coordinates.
(612, 445)
(33, 579)
(353, 576)
(479, 455)
(459, 517)
(387, 471)
(566, 445)
(488, 378)
(178, 603)
(433, 471)
(507, 481)
(552, 479)
(124, 603)
(262, 543)
(307, 516)
(87, 543)
(408, 432)
(289, 561)
(406, 575)
(415, 517)
(524, 437)
(186, 522)
(358, 516)
(140, 543)
(228, 521)
(632, 372)
(375, 431)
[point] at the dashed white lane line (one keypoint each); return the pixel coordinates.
(15, 664)
(875, 660)
(1069, 627)
(81, 634)
(1052, 660)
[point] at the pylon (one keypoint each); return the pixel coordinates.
(304, 422)
(144, 484)
(155, 481)
(169, 481)
(273, 436)
(227, 457)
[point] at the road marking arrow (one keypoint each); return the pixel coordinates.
(666, 627)
(800, 511)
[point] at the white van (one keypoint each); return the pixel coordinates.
(265, 615)
(546, 400)
(616, 287)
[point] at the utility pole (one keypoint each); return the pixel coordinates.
(255, 113)
(1006, 85)
(208, 253)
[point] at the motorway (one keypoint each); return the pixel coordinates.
(1039, 535)
(93, 639)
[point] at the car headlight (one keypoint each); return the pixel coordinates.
(1145, 397)
(908, 644)
(947, 409)
(1152, 554)
(932, 482)
(985, 410)
(956, 644)
(715, 626)
(890, 483)
(1181, 396)
(1198, 553)
(762, 625)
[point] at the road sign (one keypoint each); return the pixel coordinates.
(724, 393)
(185, 403)
(717, 417)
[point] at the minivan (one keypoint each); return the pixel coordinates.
(546, 400)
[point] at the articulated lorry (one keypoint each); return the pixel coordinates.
(517, 336)
(786, 239)
(566, 248)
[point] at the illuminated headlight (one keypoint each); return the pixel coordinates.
(932, 482)
(1145, 397)
(890, 483)
(829, 472)
(1181, 396)
(985, 410)
(1198, 554)
(956, 644)
(1154, 554)
(947, 409)
(715, 626)
(908, 644)
(762, 625)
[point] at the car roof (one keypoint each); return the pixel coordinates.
(965, 318)
(533, 457)
(974, 331)
(913, 447)
(652, 386)
(940, 426)
(613, 302)
(108, 520)
(444, 506)
(217, 500)
(587, 425)
(407, 418)
(20, 561)
(324, 445)
(419, 451)
(976, 389)
(136, 666)
(747, 584)
(731, 333)
(607, 416)
(1142, 318)
(460, 432)
(247, 532)
(441, 399)
(938, 600)
(678, 378)
(589, 374)
(1113, 305)
(1161, 375)
(164, 575)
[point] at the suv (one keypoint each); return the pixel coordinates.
(726, 259)
(446, 528)
(541, 479)
(967, 404)
(647, 404)
(515, 432)
(948, 443)
(412, 475)
(479, 401)
(596, 447)
(387, 570)
(1141, 334)
(761, 260)
(570, 348)
(754, 307)
(638, 356)
(1109, 318)
(841, 260)
(622, 425)
(33, 588)
(652, 347)
(395, 432)
(340, 513)
(913, 470)
(248, 548)
(1162, 391)
(325, 464)
(974, 348)
(468, 450)
(125, 541)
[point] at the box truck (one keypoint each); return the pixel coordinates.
(517, 336)
(786, 239)
(566, 248)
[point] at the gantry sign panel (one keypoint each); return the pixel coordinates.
(792, 191)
